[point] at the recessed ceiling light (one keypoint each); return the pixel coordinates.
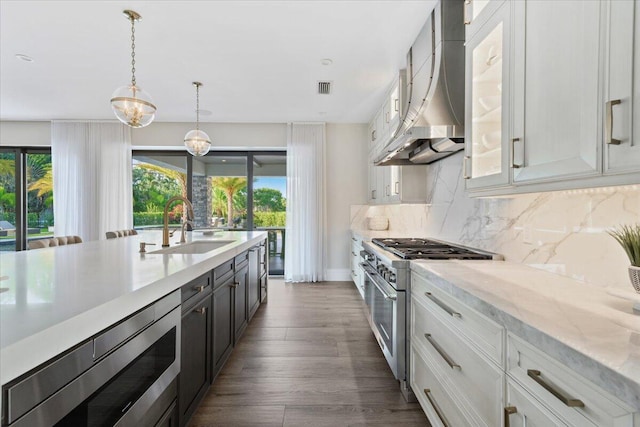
(25, 58)
(327, 61)
(224, 160)
(204, 112)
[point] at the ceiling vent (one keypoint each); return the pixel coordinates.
(324, 88)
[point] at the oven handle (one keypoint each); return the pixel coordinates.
(371, 275)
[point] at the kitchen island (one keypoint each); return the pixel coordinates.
(59, 297)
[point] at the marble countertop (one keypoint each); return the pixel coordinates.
(58, 297)
(585, 327)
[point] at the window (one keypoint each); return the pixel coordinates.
(26, 197)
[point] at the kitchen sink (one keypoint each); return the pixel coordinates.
(195, 247)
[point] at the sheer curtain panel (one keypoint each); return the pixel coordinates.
(306, 213)
(91, 178)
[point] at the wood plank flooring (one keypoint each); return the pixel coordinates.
(308, 358)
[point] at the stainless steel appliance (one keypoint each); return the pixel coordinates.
(432, 112)
(126, 375)
(387, 291)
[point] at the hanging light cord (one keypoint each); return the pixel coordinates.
(133, 51)
(197, 107)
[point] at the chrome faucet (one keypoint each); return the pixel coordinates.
(165, 227)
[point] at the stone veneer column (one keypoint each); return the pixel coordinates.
(201, 204)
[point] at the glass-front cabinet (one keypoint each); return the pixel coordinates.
(487, 103)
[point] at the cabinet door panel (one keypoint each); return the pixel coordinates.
(253, 291)
(557, 103)
(623, 79)
(222, 324)
(240, 303)
(529, 412)
(195, 356)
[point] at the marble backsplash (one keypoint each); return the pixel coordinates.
(564, 232)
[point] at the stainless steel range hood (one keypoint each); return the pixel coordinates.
(433, 114)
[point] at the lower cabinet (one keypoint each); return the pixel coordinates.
(241, 314)
(466, 369)
(253, 281)
(222, 324)
(195, 371)
(169, 418)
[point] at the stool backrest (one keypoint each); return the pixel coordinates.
(54, 241)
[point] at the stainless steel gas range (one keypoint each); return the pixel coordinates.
(387, 291)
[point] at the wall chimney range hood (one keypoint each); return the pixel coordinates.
(433, 112)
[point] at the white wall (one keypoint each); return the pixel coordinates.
(346, 178)
(25, 134)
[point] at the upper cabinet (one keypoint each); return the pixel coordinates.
(487, 102)
(622, 105)
(549, 95)
(556, 100)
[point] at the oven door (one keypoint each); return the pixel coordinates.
(387, 320)
(133, 385)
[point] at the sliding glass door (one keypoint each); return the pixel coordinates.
(26, 196)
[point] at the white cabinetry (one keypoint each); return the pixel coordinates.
(622, 88)
(461, 364)
(397, 184)
(556, 101)
(487, 102)
(357, 275)
(558, 112)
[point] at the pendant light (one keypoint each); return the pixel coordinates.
(197, 141)
(132, 105)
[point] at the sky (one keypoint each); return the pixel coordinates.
(277, 183)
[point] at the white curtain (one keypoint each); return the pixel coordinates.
(91, 178)
(306, 214)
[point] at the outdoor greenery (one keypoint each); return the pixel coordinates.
(39, 191)
(153, 186)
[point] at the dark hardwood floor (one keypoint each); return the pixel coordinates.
(308, 358)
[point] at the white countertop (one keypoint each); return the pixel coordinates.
(575, 323)
(60, 296)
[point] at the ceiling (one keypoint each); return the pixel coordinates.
(260, 61)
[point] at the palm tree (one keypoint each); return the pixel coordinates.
(230, 186)
(180, 177)
(44, 184)
(7, 167)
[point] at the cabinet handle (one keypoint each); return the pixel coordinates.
(608, 138)
(388, 118)
(373, 194)
(234, 285)
(572, 403)
(441, 352)
(353, 253)
(201, 310)
(508, 410)
(466, 20)
(396, 106)
(435, 406)
(513, 154)
(442, 305)
(373, 135)
(387, 190)
(397, 187)
(198, 288)
(465, 175)
(354, 239)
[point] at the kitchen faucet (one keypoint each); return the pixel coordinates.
(165, 228)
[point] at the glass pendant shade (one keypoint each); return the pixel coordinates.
(197, 142)
(133, 106)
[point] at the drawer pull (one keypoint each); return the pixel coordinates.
(435, 406)
(201, 310)
(198, 288)
(441, 352)
(442, 305)
(572, 403)
(234, 285)
(508, 410)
